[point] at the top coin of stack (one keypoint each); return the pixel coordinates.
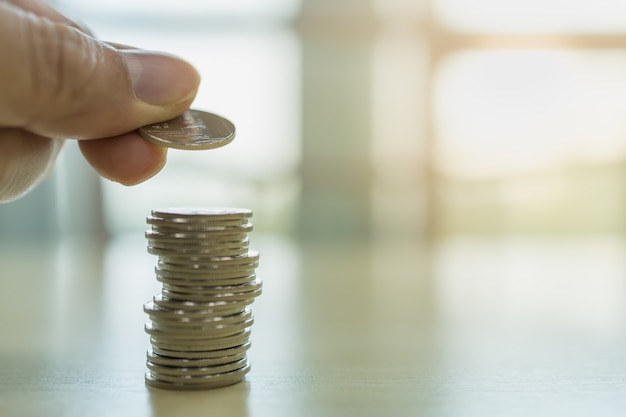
(200, 322)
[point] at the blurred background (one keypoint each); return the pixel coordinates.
(358, 118)
(461, 162)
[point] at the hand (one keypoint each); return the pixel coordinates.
(57, 81)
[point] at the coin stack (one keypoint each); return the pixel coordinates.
(199, 323)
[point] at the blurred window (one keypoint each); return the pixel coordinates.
(533, 16)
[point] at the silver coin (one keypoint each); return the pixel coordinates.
(182, 314)
(176, 320)
(249, 258)
(204, 261)
(196, 330)
(194, 379)
(200, 214)
(206, 271)
(194, 315)
(212, 297)
(161, 301)
(202, 249)
(159, 370)
(200, 309)
(210, 233)
(200, 244)
(193, 363)
(199, 345)
(169, 272)
(207, 265)
(216, 381)
(192, 354)
(208, 223)
(230, 289)
(192, 130)
(195, 239)
(199, 280)
(205, 332)
(210, 237)
(210, 288)
(193, 349)
(197, 227)
(193, 255)
(181, 309)
(184, 282)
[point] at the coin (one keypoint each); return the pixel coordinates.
(178, 314)
(215, 230)
(240, 296)
(196, 379)
(214, 289)
(212, 237)
(195, 239)
(201, 214)
(159, 370)
(192, 363)
(220, 307)
(183, 282)
(207, 328)
(172, 270)
(192, 130)
(195, 274)
(249, 257)
(193, 254)
(187, 346)
(185, 321)
(205, 331)
(216, 381)
(203, 246)
(202, 354)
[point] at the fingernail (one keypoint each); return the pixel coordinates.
(160, 79)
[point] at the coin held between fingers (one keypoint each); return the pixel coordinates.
(192, 130)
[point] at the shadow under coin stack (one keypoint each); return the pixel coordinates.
(199, 324)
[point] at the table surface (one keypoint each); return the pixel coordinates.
(449, 327)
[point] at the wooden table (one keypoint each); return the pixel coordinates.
(447, 327)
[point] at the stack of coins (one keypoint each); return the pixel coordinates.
(199, 323)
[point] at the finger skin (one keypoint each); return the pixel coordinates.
(127, 158)
(25, 160)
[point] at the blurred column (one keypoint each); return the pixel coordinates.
(79, 195)
(33, 215)
(69, 202)
(336, 94)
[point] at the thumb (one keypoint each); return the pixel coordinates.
(57, 81)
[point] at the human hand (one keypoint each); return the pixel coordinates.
(57, 81)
